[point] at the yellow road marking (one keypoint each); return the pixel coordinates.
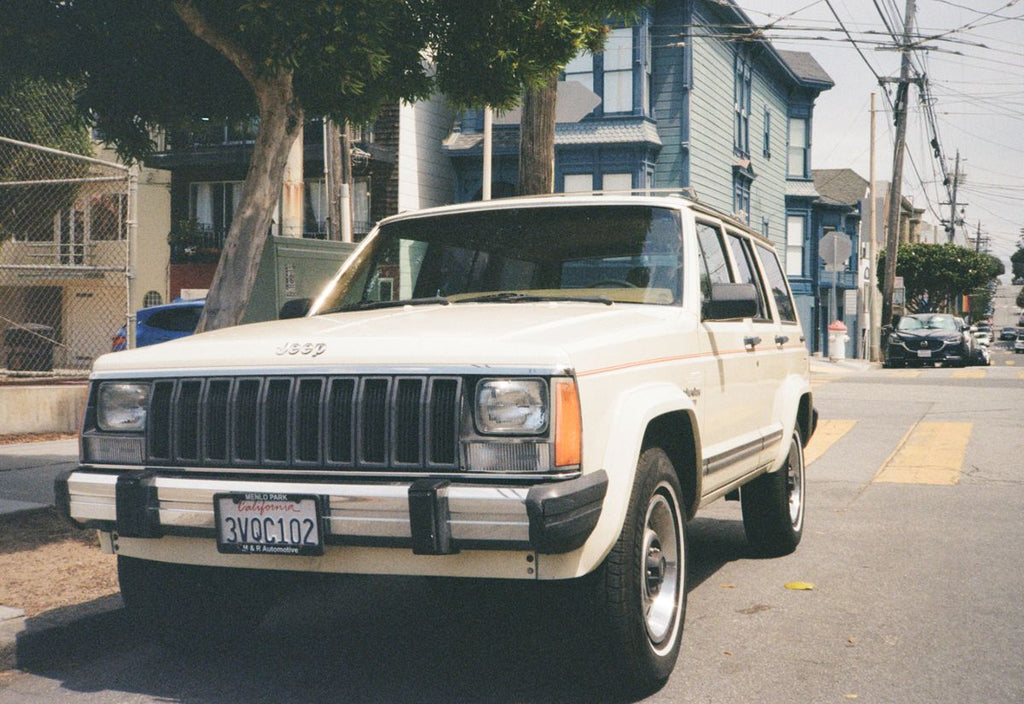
(827, 433)
(931, 453)
(969, 374)
(906, 373)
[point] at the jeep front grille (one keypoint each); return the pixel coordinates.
(305, 422)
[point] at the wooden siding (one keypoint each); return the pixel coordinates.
(711, 117)
(768, 194)
(425, 174)
(669, 86)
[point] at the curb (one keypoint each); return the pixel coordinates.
(12, 625)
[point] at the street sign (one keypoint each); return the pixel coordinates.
(835, 249)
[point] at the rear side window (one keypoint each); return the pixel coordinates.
(714, 266)
(176, 319)
(747, 270)
(778, 284)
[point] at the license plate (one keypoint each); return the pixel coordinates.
(924, 353)
(268, 524)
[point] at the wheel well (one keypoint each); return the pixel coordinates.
(806, 418)
(673, 433)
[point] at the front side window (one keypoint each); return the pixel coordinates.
(714, 265)
(578, 183)
(746, 271)
(777, 283)
(799, 148)
(741, 197)
(581, 69)
(796, 226)
(618, 71)
(625, 254)
(212, 204)
(741, 104)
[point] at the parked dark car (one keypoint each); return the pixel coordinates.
(928, 339)
(1008, 333)
(161, 323)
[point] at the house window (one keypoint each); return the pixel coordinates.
(766, 145)
(581, 69)
(741, 105)
(212, 204)
(314, 221)
(578, 183)
(610, 73)
(618, 71)
(152, 298)
(799, 147)
(741, 196)
(796, 227)
(617, 182)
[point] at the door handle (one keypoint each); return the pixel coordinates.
(751, 342)
(781, 340)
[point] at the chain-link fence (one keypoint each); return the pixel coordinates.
(65, 228)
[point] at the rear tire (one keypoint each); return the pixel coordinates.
(641, 585)
(773, 505)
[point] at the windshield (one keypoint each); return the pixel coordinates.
(927, 322)
(622, 254)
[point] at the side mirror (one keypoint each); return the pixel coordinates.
(731, 301)
(295, 308)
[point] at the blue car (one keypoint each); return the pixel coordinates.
(161, 323)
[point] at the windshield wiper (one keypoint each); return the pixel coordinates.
(373, 305)
(515, 297)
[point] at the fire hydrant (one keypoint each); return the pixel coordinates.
(837, 339)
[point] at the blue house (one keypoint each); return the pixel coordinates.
(689, 97)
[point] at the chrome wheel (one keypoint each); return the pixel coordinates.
(795, 482)
(662, 561)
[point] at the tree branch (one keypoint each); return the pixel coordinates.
(230, 49)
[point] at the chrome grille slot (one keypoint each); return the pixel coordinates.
(277, 431)
(408, 422)
(306, 423)
(215, 448)
(372, 425)
(186, 425)
(341, 422)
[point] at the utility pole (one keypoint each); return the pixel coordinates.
(952, 204)
(892, 241)
(874, 328)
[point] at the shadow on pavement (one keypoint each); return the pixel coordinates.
(362, 639)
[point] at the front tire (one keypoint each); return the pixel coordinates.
(773, 505)
(641, 586)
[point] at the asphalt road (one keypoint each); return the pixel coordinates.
(915, 557)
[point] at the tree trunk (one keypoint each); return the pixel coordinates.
(281, 119)
(537, 139)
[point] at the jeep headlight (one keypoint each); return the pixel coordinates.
(512, 406)
(121, 406)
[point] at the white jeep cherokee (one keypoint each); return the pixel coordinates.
(535, 389)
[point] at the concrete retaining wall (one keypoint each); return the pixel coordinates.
(41, 409)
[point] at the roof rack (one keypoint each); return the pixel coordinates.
(687, 192)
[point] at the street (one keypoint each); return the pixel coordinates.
(912, 546)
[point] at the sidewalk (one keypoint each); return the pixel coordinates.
(823, 366)
(27, 471)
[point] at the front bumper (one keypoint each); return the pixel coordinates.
(429, 516)
(899, 352)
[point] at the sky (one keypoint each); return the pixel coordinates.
(972, 54)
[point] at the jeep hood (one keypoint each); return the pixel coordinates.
(481, 335)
